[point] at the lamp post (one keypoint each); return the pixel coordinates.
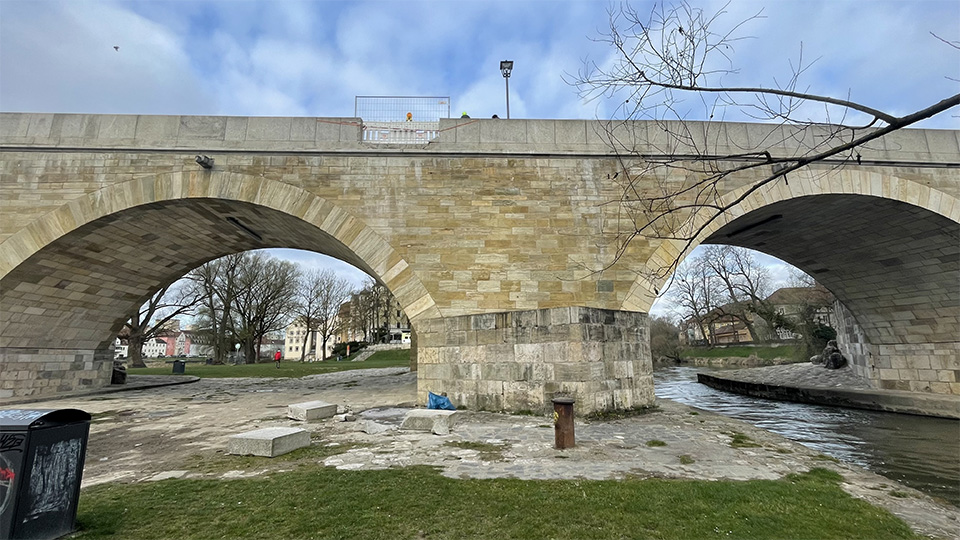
(506, 66)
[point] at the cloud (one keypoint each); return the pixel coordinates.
(309, 260)
(61, 58)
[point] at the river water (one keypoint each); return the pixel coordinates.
(918, 451)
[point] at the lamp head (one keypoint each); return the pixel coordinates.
(506, 66)
(205, 161)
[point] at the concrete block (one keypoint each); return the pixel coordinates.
(311, 410)
(269, 442)
(435, 421)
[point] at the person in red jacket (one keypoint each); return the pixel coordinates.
(276, 358)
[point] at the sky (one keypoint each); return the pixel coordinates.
(312, 58)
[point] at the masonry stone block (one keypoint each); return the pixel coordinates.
(311, 410)
(268, 442)
(438, 422)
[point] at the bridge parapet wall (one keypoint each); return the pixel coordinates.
(503, 137)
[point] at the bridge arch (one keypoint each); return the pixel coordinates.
(61, 270)
(888, 247)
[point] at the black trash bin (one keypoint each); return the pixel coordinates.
(41, 463)
(179, 366)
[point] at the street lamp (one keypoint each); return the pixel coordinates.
(506, 66)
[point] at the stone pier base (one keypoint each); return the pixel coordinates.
(518, 361)
(32, 373)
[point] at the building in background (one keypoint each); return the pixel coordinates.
(721, 327)
(294, 346)
(155, 347)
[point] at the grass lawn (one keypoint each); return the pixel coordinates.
(766, 353)
(417, 502)
(382, 359)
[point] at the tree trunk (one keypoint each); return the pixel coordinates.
(303, 345)
(324, 348)
(135, 352)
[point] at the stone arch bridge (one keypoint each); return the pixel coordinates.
(489, 236)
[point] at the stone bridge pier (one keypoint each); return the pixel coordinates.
(499, 238)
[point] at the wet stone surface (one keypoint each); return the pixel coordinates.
(804, 374)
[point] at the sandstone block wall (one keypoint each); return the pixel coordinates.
(916, 367)
(520, 360)
(60, 371)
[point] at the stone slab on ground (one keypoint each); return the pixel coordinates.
(438, 422)
(311, 410)
(268, 442)
(165, 475)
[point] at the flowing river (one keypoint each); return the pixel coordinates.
(918, 451)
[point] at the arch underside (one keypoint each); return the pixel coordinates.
(77, 291)
(895, 266)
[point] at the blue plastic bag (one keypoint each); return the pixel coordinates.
(439, 402)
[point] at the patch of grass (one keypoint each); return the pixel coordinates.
(620, 414)
(740, 440)
(816, 473)
(488, 451)
(824, 457)
(899, 494)
(765, 353)
(686, 460)
(418, 502)
(381, 359)
(783, 450)
(655, 442)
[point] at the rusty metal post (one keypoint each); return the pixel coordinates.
(563, 423)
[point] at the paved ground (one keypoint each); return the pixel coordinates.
(811, 383)
(151, 434)
(804, 374)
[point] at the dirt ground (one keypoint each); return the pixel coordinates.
(152, 434)
(137, 434)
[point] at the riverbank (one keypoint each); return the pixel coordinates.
(811, 383)
(182, 432)
(728, 361)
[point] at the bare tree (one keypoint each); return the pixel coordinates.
(670, 66)
(664, 339)
(334, 291)
(264, 301)
(319, 297)
(696, 294)
(217, 285)
(154, 316)
(307, 307)
(745, 284)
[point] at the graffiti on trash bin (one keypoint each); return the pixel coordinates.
(11, 442)
(53, 478)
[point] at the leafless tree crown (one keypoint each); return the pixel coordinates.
(671, 66)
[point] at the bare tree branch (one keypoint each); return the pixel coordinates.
(676, 59)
